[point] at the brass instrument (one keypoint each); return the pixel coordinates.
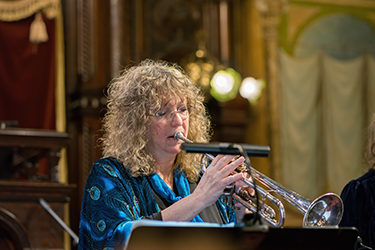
(326, 210)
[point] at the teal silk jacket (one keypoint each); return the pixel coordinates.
(113, 200)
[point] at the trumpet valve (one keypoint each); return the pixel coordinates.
(227, 194)
(244, 194)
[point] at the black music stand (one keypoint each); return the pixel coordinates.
(227, 238)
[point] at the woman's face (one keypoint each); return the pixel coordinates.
(172, 117)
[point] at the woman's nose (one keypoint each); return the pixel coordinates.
(176, 116)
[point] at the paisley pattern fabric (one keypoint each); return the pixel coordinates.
(113, 200)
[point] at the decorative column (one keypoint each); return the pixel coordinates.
(270, 11)
(118, 36)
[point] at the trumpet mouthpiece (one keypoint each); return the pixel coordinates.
(179, 136)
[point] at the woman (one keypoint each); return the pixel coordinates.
(359, 197)
(144, 174)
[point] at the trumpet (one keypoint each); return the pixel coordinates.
(324, 211)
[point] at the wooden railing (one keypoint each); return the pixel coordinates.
(22, 185)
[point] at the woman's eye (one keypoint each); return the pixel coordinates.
(160, 113)
(182, 109)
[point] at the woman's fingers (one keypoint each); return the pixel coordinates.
(218, 175)
(243, 185)
(220, 161)
(229, 168)
(221, 169)
(232, 178)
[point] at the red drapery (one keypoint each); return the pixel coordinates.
(27, 78)
(27, 75)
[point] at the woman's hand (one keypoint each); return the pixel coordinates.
(216, 177)
(240, 209)
(211, 186)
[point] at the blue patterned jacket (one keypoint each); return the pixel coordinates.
(113, 200)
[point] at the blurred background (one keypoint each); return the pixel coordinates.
(296, 75)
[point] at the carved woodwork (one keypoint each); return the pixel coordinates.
(19, 196)
(39, 227)
(170, 28)
(25, 221)
(27, 147)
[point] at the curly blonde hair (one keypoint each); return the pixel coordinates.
(132, 97)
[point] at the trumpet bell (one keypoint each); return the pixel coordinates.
(326, 210)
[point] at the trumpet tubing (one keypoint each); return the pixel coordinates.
(326, 210)
(266, 212)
